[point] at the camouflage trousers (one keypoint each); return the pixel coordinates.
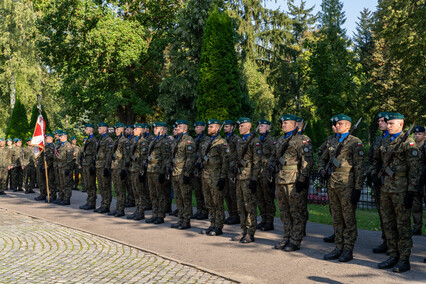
(89, 184)
(9, 179)
(247, 207)
(65, 183)
(138, 188)
(41, 178)
(3, 178)
(104, 185)
(120, 189)
(146, 196)
(199, 198)
(265, 200)
(168, 195)
(77, 172)
(42, 181)
(343, 217)
(292, 206)
(158, 199)
(16, 178)
(130, 198)
(214, 200)
(418, 209)
(231, 197)
(29, 177)
(397, 224)
(183, 197)
(377, 203)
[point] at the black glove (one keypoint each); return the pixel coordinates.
(106, 172)
(422, 180)
(322, 174)
(271, 184)
(141, 177)
(67, 173)
(127, 165)
(186, 179)
(123, 174)
(300, 186)
(369, 182)
(376, 181)
(355, 196)
(161, 178)
(253, 186)
(92, 171)
(408, 199)
(221, 184)
(199, 165)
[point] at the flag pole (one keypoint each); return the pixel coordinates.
(44, 160)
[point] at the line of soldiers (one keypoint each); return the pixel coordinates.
(247, 172)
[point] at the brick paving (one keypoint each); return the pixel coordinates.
(36, 251)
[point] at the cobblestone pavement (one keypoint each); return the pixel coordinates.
(36, 251)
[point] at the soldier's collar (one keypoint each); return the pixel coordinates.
(394, 136)
(90, 136)
(263, 135)
(288, 134)
(245, 136)
(103, 135)
(343, 135)
(385, 134)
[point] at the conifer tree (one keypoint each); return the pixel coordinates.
(18, 123)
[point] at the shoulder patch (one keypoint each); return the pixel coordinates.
(306, 149)
(257, 144)
(411, 143)
(275, 142)
(304, 141)
(359, 143)
(414, 153)
(361, 153)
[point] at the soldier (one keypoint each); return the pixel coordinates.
(344, 186)
(138, 154)
(146, 196)
(397, 187)
(16, 155)
(158, 154)
(292, 160)
(4, 163)
(46, 159)
(65, 160)
(247, 169)
(56, 185)
(202, 211)
(230, 186)
(168, 183)
(88, 163)
(266, 191)
(118, 166)
(29, 168)
(183, 161)
(419, 136)
(103, 167)
(130, 199)
(383, 126)
(9, 171)
(75, 169)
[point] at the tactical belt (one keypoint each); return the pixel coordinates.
(400, 174)
(343, 169)
(289, 167)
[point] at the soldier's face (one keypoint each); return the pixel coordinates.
(2, 143)
(343, 126)
(63, 138)
(213, 129)
(147, 130)
(102, 130)
(395, 126)
(57, 136)
(245, 128)
(288, 125)
(74, 142)
(228, 128)
(157, 130)
(419, 136)
(199, 129)
(382, 124)
(119, 131)
(19, 144)
(263, 128)
(181, 128)
(88, 130)
(49, 139)
(137, 131)
(9, 143)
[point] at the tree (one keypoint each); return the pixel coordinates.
(18, 124)
(34, 115)
(219, 91)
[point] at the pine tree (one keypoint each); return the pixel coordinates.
(18, 124)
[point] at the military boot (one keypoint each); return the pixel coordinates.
(417, 232)
(159, 220)
(388, 263)
(383, 248)
(65, 202)
(139, 216)
(260, 225)
(112, 213)
(282, 244)
(176, 225)
(267, 227)
(129, 204)
(184, 226)
(119, 213)
(2, 192)
(291, 247)
(202, 216)
(174, 213)
(329, 239)
(247, 239)
(206, 231)
(335, 254)
(216, 232)
(102, 210)
(346, 255)
(150, 220)
(402, 266)
(40, 198)
(239, 237)
(132, 216)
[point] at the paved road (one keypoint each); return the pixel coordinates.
(36, 251)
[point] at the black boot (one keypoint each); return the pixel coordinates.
(139, 216)
(2, 192)
(346, 255)
(247, 239)
(119, 213)
(383, 248)
(184, 226)
(203, 216)
(291, 247)
(335, 254)
(282, 244)
(260, 225)
(388, 263)
(267, 227)
(417, 232)
(239, 238)
(131, 216)
(216, 232)
(40, 198)
(150, 220)
(112, 213)
(159, 220)
(206, 231)
(102, 210)
(402, 266)
(176, 225)
(329, 239)
(233, 220)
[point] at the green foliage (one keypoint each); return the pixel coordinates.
(219, 91)
(18, 124)
(34, 115)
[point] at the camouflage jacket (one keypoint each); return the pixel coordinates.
(4, 157)
(323, 146)
(57, 147)
(16, 156)
(120, 153)
(232, 140)
(268, 150)
(252, 157)
(104, 152)
(216, 161)
(351, 171)
(297, 161)
(139, 154)
(29, 158)
(132, 142)
(405, 165)
(88, 152)
(49, 152)
(160, 154)
(184, 159)
(423, 157)
(65, 156)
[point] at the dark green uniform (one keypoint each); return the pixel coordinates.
(138, 154)
(88, 163)
(103, 170)
(65, 160)
(130, 198)
(29, 179)
(230, 186)
(50, 157)
(197, 179)
(119, 174)
(146, 195)
(17, 157)
(4, 164)
(420, 196)
(76, 170)
(56, 184)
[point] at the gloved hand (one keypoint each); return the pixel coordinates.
(300, 186)
(271, 184)
(408, 199)
(92, 171)
(221, 184)
(141, 177)
(199, 165)
(253, 186)
(376, 181)
(369, 182)
(355, 196)
(322, 173)
(161, 178)
(106, 172)
(186, 179)
(123, 174)
(127, 165)
(67, 173)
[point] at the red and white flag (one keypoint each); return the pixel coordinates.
(38, 137)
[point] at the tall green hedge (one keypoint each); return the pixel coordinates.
(18, 123)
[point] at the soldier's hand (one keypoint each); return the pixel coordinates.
(123, 174)
(127, 164)
(376, 181)
(271, 184)
(408, 199)
(369, 181)
(106, 172)
(92, 171)
(186, 179)
(355, 196)
(221, 184)
(300, 186)
(141, 177)
(322, 173)
(199, 165)
(67, 172)
(253, 186)
(161, 178)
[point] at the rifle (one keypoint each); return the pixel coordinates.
(240, 161)
(281, 161)
(385, 168)
(148, 157)
(199, 164)
(333, 163)
(304, 127)
(169, 166)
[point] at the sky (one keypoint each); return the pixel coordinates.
(352, 9)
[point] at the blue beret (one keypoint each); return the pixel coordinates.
(393, 115)
(264, 121)
(73, 138)
(181, 121)
(147, 125)
(243, 120)
(341, 117)
(28, 139)
(419, 129)
(59, 131)
(16, 140)
(288, 116)
(8, 139)
(89, 125)
(63, 133)
(1, 139)
(199, 123)
(213, 121)
(130, 126)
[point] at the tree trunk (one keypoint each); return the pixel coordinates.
(12, 91)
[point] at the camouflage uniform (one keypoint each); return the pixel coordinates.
(56, 184)
(396, 217)
(130, 198)
(341, 183)
(197, 182)
(230, 185)
(266, 193)
(138, 155)
(16, 155)
(420, 195)
(146, 195)
(76, 171)
(29, 170)
(4, 164)
(183, 165)
(88, 163)
(49, 155)
(65, 161)
(119, 173)
(247, 204)
(103, 169)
